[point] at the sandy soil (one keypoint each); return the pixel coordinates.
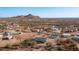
(17, 39)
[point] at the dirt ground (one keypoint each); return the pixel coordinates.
(17, 39)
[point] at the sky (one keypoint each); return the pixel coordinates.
(44, 12)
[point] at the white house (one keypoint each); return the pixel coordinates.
(66, 35)
(7, 36)
(56, 29)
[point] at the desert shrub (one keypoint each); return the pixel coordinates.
(62, 45)
(67, 45)
(26, 43)
(9, 47)
(2, 26)
(33, 44)
(48, 46)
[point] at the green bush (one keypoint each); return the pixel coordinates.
(26, 43)
(8, 46)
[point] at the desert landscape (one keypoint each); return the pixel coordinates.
(33, 33)
(39, 29)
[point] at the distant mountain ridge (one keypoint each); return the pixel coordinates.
(31, 17)
(28, 17)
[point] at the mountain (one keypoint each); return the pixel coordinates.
(28, 17)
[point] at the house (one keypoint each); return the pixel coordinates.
(54, 36)
(12, 26)
(38, 30)
(13, 32)
(71, 28)
(8, 34)
(65, 35)
(56, 29)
